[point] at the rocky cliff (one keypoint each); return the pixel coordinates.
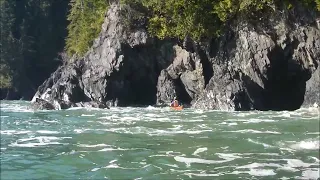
(266, 66)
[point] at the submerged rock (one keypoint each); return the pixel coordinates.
(42, 105)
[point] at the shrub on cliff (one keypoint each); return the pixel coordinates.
(168, 18)
(86, 18)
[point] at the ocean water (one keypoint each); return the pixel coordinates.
(157, 143)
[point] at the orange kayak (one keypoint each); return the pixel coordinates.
(177, 108)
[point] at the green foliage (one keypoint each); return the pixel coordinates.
(166, 18)
(32, 33)
(198, 19)
(8, 43)
(86, 18)
(317, 4)
(5, 77)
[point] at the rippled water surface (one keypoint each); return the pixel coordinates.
(157, 143)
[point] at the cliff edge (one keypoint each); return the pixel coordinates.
(269, 63)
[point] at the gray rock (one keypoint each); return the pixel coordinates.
(265, 66)
(166, 88)
(92, 104)
(40, 104)
(270, 65)
(312, 93)
(120, 69)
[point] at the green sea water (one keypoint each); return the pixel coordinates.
(157, 143)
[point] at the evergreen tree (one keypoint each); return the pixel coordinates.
(86, 18)
(32, 34)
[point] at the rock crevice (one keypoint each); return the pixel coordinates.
(269, 66)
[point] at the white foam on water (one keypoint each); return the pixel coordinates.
(40, 141)
(105, 117)
(161, 119)
(258, 165)
(261, 172)
(244, 114)
(151, 115)
(4, 116)
(260, 143)
(163, 132)
(306, 145)
(257, 172)
(34, 144)
(49, 121)
(198, 111)
(264, 154)
(94, 145)
(111, 166)
(154, 132)
(75, 108)
(195, 120)
(297, 163)
(47, 132)
(176, 127)
(203, 175)
(313, 133)
(188, 161)
(112, 161)
(233, 124)
(284, 114)
(200, 117)
(254, 131)
(104, 123)
(130, 118)
(315, 159)
(289, 169)
(112, 149)
(171, 165)
(79, 131)
(14, 132)
(290, 166)
(15, 108)
(87, 115)
(172, 153)
(284, 178)
(311, 174)
(229, 156)
(309, 111)
(95, 169)
(199, 150)
(254, 120)
(151, 108)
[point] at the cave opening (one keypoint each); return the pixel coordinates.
(143, 92)
(285, 86)
(138, 76)
(182, 95)
(206, 67)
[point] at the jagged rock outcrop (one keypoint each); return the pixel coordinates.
(265, 66)
(42, 104)
(183, 78)
(312, 93)
(121, 68)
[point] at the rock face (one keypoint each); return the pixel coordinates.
(183, 78)
(264, 66)
(121, 69)
(252, 66)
